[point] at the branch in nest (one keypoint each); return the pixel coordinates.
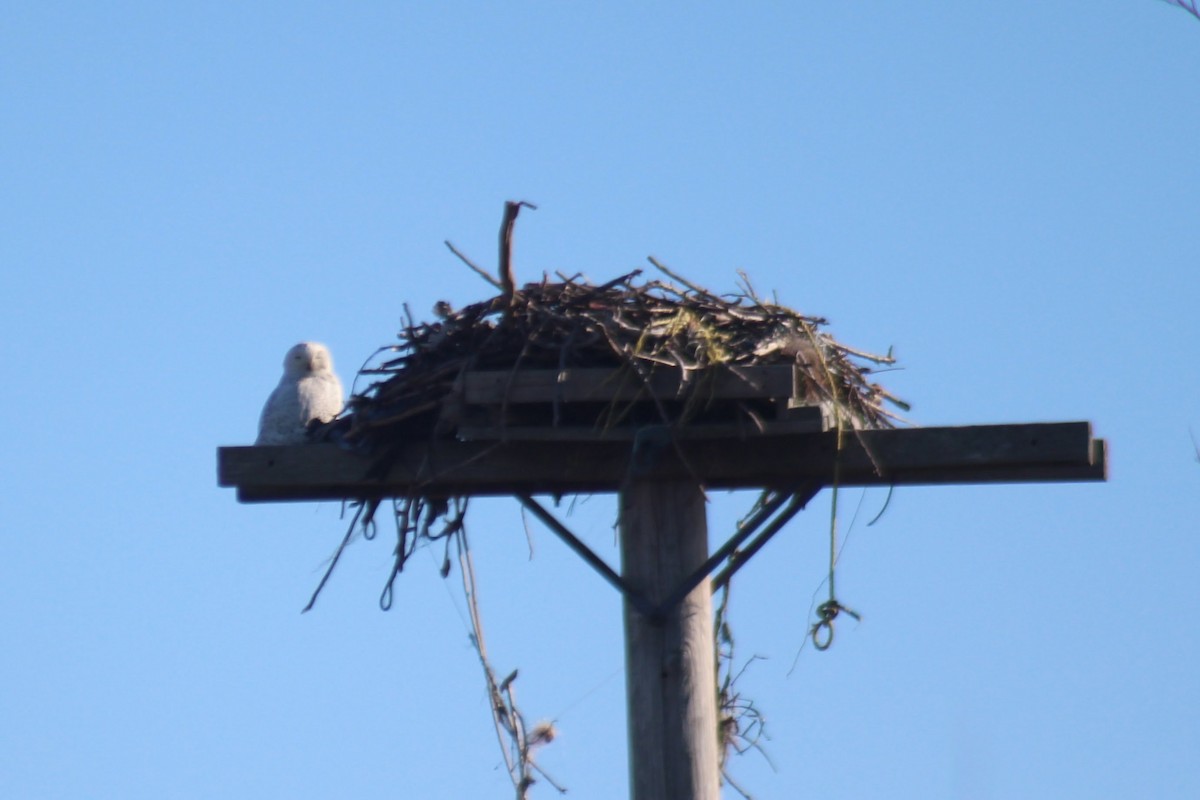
(699, 290)
(468, 262)
(508, 283)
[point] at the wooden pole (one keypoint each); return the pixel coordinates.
(670, 674)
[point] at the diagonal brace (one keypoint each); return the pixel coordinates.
(639, 601)
(795, 501)
(738, 558)
(745, 529)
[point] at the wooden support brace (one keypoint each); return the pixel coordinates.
(657, 612)
(739, 558)
(634, 597)
(795, 502)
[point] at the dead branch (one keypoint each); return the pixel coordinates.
(481, 273)
(508, 284)
(517, 745)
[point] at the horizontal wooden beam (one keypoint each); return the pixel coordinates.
(604, 385)
(1020, 453)
(802, 419)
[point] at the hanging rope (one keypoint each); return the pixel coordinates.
(821, 631)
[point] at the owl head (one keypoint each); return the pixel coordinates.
(307, 358)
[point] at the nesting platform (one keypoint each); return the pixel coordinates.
(593, 430)
(588, 404)
(655, 392)
(566, 388)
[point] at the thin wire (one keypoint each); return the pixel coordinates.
(449, 594)
(597, 687)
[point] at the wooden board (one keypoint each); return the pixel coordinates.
(1020, 453)
(803, 419)
(579, 385)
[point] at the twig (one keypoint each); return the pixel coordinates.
(878, 359)
(338, 553)
(508, 720)
(495, 701)
(700, 290)
(508, 283)
(748, 286)
(741, 724)
(1187, 5)
(736, 787)
(468, 262)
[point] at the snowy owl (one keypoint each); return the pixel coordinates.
(308, 390)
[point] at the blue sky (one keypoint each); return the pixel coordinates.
(1004, 192)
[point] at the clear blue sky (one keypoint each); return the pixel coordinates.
(1005, 192)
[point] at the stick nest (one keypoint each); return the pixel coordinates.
(640, 326)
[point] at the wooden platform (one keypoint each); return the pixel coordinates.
(586, 403)
(1019, 453)
(586, 384)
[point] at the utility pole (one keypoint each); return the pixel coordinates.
(524, 430)
(671, 678)
(670, 665)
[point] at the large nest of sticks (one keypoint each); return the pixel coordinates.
(640, 327)
(627, 332)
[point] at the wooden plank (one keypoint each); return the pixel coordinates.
(603, 385)
(1020, 453)
(806, 419)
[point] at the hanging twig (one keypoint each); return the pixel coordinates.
(741, 726)
(516, 744)
(373, 504)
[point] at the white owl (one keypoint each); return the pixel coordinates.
(308, 390)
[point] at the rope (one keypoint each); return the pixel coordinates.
(821, 631)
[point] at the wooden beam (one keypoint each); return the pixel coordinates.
(1019, 453)
(590, 384)
(670, 672)
(803, 419)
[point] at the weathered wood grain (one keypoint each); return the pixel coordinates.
(669, 662)
(1017, 453)
(579, 384)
